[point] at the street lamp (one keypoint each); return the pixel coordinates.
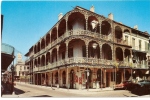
(12, 70)
(94, 45)
(88, 78)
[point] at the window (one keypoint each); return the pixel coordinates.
(22, 73)
(19, 73)
(91, 52)
(63, 55)
(70, 52)
(146, 46)
(139, 44)
(24, 67)
(126, 38)
(83, 51)
(20, 67)
(112, 76)
(148, 58)
(133, 43)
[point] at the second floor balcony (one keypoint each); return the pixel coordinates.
(90, 62)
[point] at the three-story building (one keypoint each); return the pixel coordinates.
(87, 50)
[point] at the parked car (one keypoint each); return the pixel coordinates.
(144, 83)
(125, 85)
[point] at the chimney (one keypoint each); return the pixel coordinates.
(110, 16)
(60, 16)
(92, 9)
(136, 27)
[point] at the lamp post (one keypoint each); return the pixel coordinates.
(88, 79)
(131, 69)
(94, 45)
(12, 87)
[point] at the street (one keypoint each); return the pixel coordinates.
(23, 90)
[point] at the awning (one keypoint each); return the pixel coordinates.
(147, 72)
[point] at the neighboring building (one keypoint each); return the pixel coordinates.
(7, 57)
(87, 50)
(21, 70)
(7, 52)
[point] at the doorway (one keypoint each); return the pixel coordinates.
(71, 79)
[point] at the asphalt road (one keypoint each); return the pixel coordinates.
(26, 90)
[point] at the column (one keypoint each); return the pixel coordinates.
(57, 32)
(122, 78)
(40, 44)
(50, 56)
(32, 72)
(45, 61)
(124, 74)
(101, 78)
(66, 23)
(51, 79)
(66, 55)
(41, 78)
(67, 83)
(87, 51)
(100, 47)
(58, 79)
(37, 79)
(123, 54)
(86, 18)
(45, 79)
(105, 77)
(33, 78)
(50, 40)
(58, 52)
(45, 43)
(100, 26)
(113, 52)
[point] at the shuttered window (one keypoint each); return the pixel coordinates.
(83, 51)
(146, 46)
(133, 42)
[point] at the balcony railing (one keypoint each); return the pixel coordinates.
(75, 60)
(120, 41)
(90, 62)
(42, 68)
(140, 49)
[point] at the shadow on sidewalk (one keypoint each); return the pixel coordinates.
(18, 91)
(42, 96)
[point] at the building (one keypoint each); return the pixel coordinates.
(87, 50)
(7, 52)
(7, 59)
(21, 70)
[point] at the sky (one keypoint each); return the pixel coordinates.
(25, 22)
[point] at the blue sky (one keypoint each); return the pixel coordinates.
(25, 22)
